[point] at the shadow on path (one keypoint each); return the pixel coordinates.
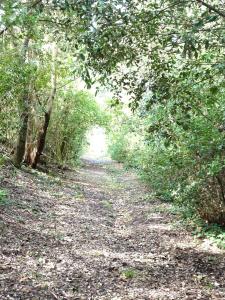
(92, 234)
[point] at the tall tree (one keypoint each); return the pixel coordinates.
(47, 115)
(24, 106)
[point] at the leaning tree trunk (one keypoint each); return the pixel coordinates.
(21, 140)
(43, 132)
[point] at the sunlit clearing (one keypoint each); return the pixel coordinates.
(97, 145)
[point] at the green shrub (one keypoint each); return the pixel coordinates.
(177, 140)
(3, 197)
(74, 113)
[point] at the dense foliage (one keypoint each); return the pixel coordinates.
(178, 144)
(76, 113)
(42, 111)
(168, 59)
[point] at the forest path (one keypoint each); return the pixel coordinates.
(96, 233)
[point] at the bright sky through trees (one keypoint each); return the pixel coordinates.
(97, 148)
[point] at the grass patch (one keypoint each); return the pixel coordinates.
(4, 200)
(2, 160)
(107, 204)
(129, 273)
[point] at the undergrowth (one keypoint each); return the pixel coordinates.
(201, 229)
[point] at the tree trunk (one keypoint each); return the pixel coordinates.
(21, 141)
(43, 132)
(41, 140)
(62, 148)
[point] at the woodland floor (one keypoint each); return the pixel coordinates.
(96, 233)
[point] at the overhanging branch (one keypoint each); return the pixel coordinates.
(211, 7)
(29, 10)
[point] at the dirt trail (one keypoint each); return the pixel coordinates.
(97, 234)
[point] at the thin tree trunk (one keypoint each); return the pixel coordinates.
(43, 132)
(21, 141)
